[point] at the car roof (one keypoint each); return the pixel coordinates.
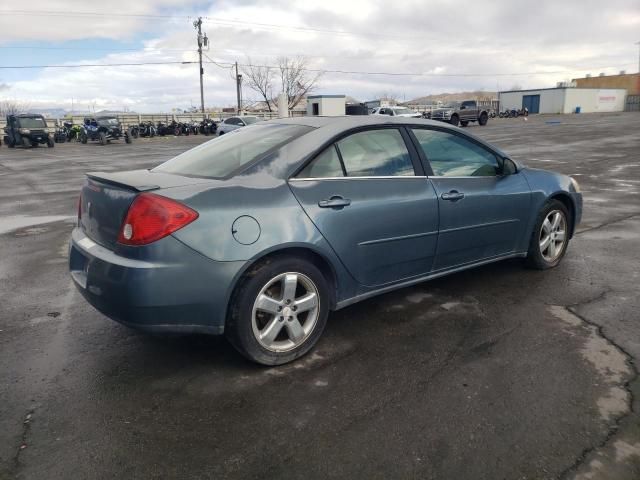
(353, 121)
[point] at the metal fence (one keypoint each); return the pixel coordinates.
(128, 119)
(632, 104)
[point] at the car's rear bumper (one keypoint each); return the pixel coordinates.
(182, 293)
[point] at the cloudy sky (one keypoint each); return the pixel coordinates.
(446, 46)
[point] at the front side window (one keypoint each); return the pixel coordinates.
(224, 155)
(375, 153)
(454, 156)
(249, 120)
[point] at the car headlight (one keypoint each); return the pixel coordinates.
(575, 184)
(24, 131)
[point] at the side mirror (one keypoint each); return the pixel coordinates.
(508, 167)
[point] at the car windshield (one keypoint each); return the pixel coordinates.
(108, 122)
(250, 120)
(452, 105)
(402, 111)
(224, 155)
(31, 122)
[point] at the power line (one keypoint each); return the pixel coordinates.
(118, 49)
(346, 72)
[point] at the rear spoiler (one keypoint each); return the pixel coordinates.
(134, 180)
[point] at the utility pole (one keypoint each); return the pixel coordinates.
(239, 89)
(638, 43)
(202, 40)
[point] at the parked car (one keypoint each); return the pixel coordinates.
(103, 129)
(233, 123)
(260, 234)
(462, 114)
(28, 130)
(396, 112)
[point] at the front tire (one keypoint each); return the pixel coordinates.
(50, 143)
(483, 119)
(103, 138)
(550, 237)
(278, 311)
(454, 120)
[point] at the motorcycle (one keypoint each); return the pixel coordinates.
(208, 127)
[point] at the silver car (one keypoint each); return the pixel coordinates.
(233, 123)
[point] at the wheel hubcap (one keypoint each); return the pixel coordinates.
(553, 235)
(285, 312)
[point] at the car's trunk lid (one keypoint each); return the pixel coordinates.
(106, 198)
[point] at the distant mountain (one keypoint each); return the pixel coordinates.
(451, 97)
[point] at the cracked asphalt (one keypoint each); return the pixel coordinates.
(494, 373)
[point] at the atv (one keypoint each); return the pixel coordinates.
(28, 130)
(103, 130)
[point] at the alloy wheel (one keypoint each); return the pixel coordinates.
(285, 312)
(553, 234)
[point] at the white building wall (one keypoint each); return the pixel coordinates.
(565, 100)
(327, 106)
(551, 101)
(595, 100)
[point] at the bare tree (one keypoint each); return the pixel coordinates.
(10, 106)
(259, 78)
(295, 80)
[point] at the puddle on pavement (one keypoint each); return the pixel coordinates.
(609, 361)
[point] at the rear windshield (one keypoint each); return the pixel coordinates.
(225, 155)
(31, 122)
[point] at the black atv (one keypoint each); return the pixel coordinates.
(103, 130)
(28, 130)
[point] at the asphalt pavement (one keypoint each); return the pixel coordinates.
(495, 373)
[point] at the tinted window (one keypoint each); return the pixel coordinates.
(224, 155)
(375, 153)
(327, 164)
(232, 121)
(31, 122)
(249, 120)
(454, 156)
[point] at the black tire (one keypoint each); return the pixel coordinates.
(26, 143)
(127, 138)
(454, 120)
(483, 119)
(239, 330)
(103, 138)
(50, 143)
(84, 138)
(10, 143)
(464, 123)
(535, 259)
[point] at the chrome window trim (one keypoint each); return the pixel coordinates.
(308, 179)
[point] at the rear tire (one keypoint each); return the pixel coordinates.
(292, 334)
(549, 242)
(50, 143)
(483, 119)
(84, 138)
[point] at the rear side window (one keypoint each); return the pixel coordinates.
(375, 153)
(225, 155)
(325, 165)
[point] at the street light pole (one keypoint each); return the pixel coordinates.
(198, 25)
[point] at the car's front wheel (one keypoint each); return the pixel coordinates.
(279, 311)
(550, 237)
(454, 120)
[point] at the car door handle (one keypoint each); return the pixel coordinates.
(452, 196)
(335, 201)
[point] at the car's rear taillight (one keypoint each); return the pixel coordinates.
(152, 217)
